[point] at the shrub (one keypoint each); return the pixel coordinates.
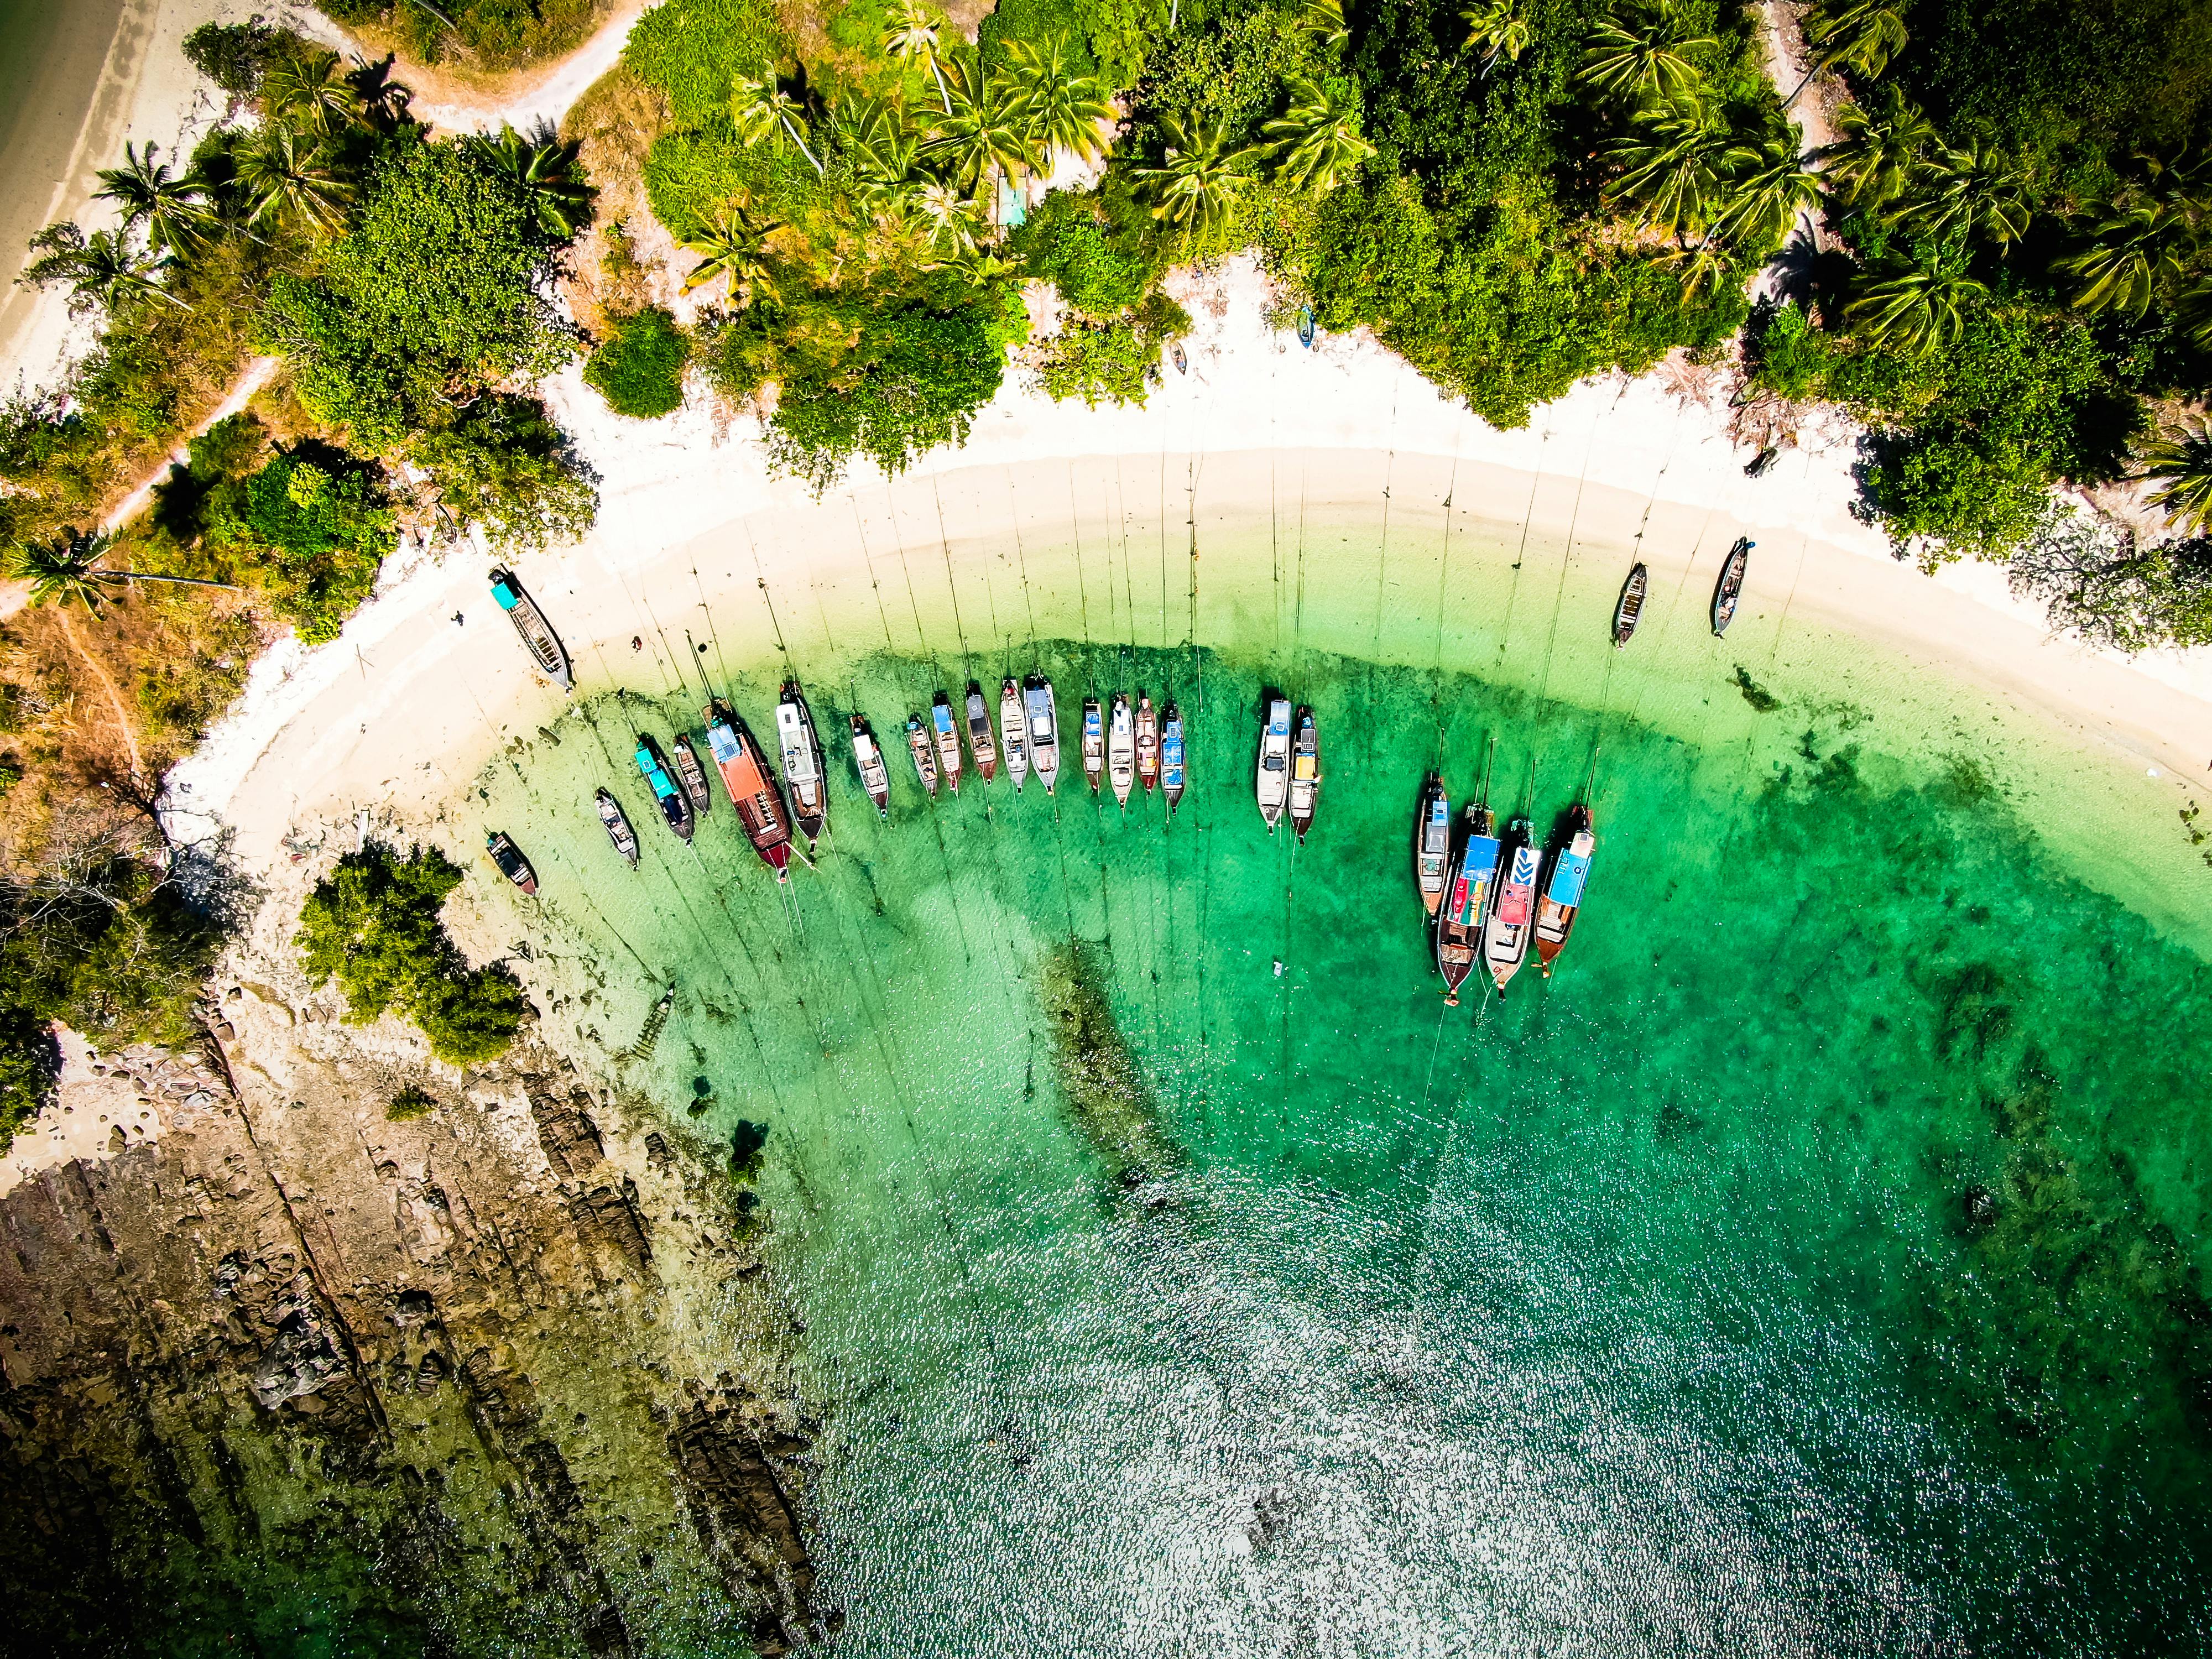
(1068, 241)
(690, 49)
(235, 56)
(639, 369)
(1115, 362)
(410, 1102)
(310, 529)
(505, 468)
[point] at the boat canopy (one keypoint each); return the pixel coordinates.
(1568, 876)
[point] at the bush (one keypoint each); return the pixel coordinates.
(688, 49)
(1068, 241)
(310, 529)
(1115, 362)
(410, 1102)
(639, 369)
(235, 56)
(504, 468)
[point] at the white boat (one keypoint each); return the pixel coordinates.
(1044, 730)
(868, 758)
(1505, 937)
(1013, 732)
(1273, 783)
(1122, 750)
(948, 741)
(803, 775)
(1094, 744)
(979, 734)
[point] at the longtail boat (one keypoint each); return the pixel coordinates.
(653, 767)
(537, 635)
(1563, 892)
(979, 734)
(1630, 608)
(1273, 784)
(1013, 732)
(512, 864)
(1505, 939)
(1432, 843)
(1729, 588)
(1094, 744)
(924, 758)
(752, 783)
(868, 759)
(948, 741)
(1459, 924)
(805, 774)
(1172, 770)
(1305, 773)
(1120, 750)
(1044, 730)
(617, 824)
(1148, 744)
(691, 775)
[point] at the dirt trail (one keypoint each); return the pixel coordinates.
(107, 684)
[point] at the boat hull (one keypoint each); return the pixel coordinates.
(868, 762)
(1013, 736)
(1122, 751)
(980, 744)
(805, 774)
(1043, 718)
(617, 826)
(1305, 773)
(752, 788)
(1432, 844)
(1271, 784)
(538, 638)
(1505, 935)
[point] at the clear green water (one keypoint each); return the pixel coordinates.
(1814, 1265)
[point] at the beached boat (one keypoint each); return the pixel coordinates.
(1729, 588)
(868, 760)
(979, 733)
(1626, 614)
(1120, 748)
(1306, 327)
(653, 767)
(1467, 903)
(1094, 744)
(691, 775)
(1013, 732)
(1148, 744)
(752, 783)
(1505, 937)
(512, 864)
(948, 741)
(1273, 784)
(925, 756)
(1305, 773)
(1432, 843)
(1044, 730)
(1563, 890)
(617, 824)
(805, 773)
(537, 635)
(1172, 768)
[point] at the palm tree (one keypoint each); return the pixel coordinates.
(1970, 189)
(108, 269)
(876, 143)
(1677, 160)
(1316, 142)
(763, 109)
(1501, 28)
(1324, 21)
(1881, 147)
(2139, 249)
(988, 131)
(288, 177)
(544, 172)
(953, 218)
(1765, 186)
(67, 570)
(1859, 34)
(174, 210)
(980, 266)
(1644, 56)
(306, 90)
(1703, 267)
(2182, 458)
(735, 250)
(912, 33)
(1200, 180)
(1067, 111)
(1920, 309)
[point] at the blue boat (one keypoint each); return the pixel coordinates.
(537, 635)
(1562, 896)
(1432, 843)
(653, 767)
(1172, 775)
(1467, 904)
(1306, 327)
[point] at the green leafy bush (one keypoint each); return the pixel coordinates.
(490, 34)
(1098, 269)
(690, 49)
(310, 529)
(1116, 361)
(638, 369)
(505, 468)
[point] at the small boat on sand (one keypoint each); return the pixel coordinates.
(948, 741)
(1305, 773)
(1506, 938)
(537, 635)
(868, 760)
(653, 767)
(979, 734)
(924, 756)
(512, 864)
(805, 773)
(1094, 744)
(1172, 768)
(1630, 608)
(1044, 729)
(1432, 843)
(617, 824)
(1729, 588)
(1013, 732)
(691, 775)
(1563, 891)
(1467, 904)
(1148, 744)
(752, 783)
(1120, 750)
(1273, 784)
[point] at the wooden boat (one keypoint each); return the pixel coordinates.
(691, 775)
(1306, 327)
(1432, 843)
(1013, 732)
(1044, 730)
(1148, 744)
(979, 734)
(1305, 773)
(512, 864)
(617, 824)
(1094, 744)
(868, 759)
(1729, 588)
(1630, 608)
(948, 741)
(1563, 887)
(1273, 784)
(653, 767)
(752, 783)
(1467, 903)
(1505, 937)
(805, 773)
(1120, 748)
(537, 635)
(1172, 767)
(925, 757)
